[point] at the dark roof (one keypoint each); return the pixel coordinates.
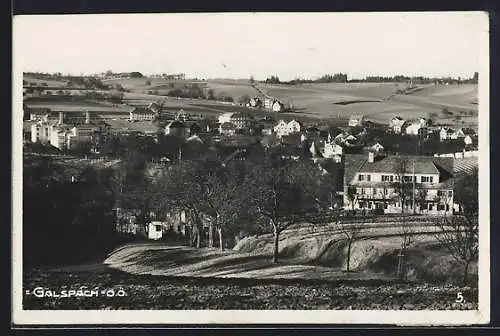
(291, 139)
(468, 131)
(39, 110)
(269, 140)
(423, 165)
(140, 110)
(240, 115)
(176, 124)
(228, 126)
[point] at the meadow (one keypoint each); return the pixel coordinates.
(314, 101)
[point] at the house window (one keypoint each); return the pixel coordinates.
(397, 178)
(386, 191)
(408, 178)
(440, 207)
(361, 204)
(431, 179)
(158, 228)
(361, 177)
(385, 205)
(441, 193)
(425, 179)
(387, 178)
(368, 178)
(369, 205)
(431, 206)
(450, 193)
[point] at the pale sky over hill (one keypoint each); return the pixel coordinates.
(285, 44)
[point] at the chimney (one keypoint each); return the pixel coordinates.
(87, 117)
(371, 157)
(61, 117)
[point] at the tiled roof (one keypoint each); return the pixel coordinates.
(228, 126)
(142, 111)
(423, 165)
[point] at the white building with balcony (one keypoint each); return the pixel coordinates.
(420, 184)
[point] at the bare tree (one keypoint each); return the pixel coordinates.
(352, 196)
(180, 190)
(351, 232)
(459, 234)
(404, 189)
(282, 193)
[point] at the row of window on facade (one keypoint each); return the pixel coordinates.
(385, 191)
(397, 178)
(409, 203)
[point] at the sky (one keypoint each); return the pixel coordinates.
(240, 45)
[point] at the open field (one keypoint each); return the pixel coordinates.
(77, 106)
(49, 82)
(377, 101)
(334, 101)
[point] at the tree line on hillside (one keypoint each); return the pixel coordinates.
(342, 78)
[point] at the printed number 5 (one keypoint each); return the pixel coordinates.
(460, 298)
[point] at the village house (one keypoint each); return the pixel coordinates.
(446, 133)
(397, 124)
(417, 129)
(227, 128)
(370, 182)
(345, 138)
(332, 151)
(283, 128)
(141, 114)
(277, 106)
(225, 117)
(470, 140)
(154, 107)
(155, 230)
(255, 102)
(465, 131)
(39, 114)
(177, 128)
(181, 116)
(267, 127)
(241, 120)
(356, 120)
(268, 103)
(375, 147)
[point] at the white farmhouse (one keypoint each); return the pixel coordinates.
(277, 106)
(225, 117)
(396, 124)
(356, 120)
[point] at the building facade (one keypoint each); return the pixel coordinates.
(391, 184)
(397, 124)
(140, 114)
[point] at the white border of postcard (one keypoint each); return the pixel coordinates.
(430, 317)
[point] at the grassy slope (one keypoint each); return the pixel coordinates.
(318, 253)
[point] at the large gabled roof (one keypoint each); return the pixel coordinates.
(355, 163)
